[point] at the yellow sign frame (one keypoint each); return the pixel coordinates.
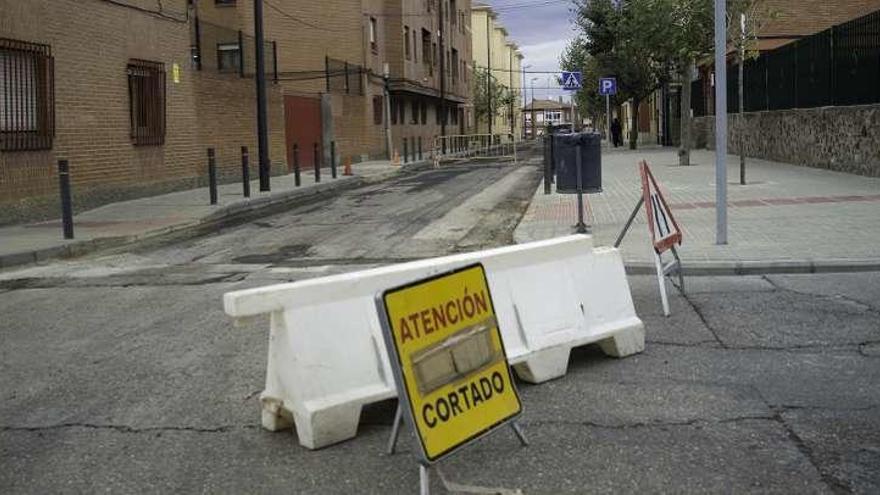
(448, 359)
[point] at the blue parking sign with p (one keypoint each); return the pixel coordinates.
(607, 86)
(571, 81)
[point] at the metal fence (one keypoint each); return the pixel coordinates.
(836, 67)
(221, 49)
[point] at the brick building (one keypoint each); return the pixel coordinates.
(331, 58)
(132, 92)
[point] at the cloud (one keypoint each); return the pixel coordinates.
(542, 33)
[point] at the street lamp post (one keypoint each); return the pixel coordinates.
(525, 101)
(534, 126)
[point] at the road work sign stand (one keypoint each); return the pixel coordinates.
(453, 380)
(665, 233)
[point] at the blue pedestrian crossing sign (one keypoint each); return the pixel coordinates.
(571, 81)
(607, 86)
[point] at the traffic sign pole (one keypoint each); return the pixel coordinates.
(608, 118)
(720, 122)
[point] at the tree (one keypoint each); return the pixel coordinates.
(627, 39)
(690, 39)
(490, 96)
(750, 17)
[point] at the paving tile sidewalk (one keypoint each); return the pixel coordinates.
(787, 217)
(135, 220)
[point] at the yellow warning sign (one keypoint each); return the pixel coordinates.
(445, 346)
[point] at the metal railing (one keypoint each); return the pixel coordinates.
(466, 147)
(836, 67)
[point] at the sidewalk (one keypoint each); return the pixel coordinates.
(126, 222)
(788, 218)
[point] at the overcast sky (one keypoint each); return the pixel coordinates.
(541, 30)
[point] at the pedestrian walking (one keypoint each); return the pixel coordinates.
(616, 133)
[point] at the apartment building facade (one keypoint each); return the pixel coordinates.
(495, 52)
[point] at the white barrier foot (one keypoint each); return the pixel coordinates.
(624, 343)
(544, 365)
(325, 427)
(274, 416)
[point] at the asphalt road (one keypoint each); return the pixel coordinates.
(121, 373)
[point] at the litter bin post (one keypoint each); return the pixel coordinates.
(581, 226)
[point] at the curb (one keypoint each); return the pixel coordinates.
(742, 268)
(225, 215)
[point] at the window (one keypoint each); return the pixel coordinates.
(228, 57)
(453, 12)
(394, 104)
(434, 56)
(401, 108)
(424, 112)
(426, 49)
(414, 119)
(407, 48)
(146, 92)
(415, 44)
(27, 99)
(377, 110)
(454, 64)
(374, 33)
(437, 113)
(224, 3)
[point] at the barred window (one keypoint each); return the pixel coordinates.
(27, 99)
(146, 92)
(228, 57)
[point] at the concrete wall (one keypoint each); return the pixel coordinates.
(845, 139)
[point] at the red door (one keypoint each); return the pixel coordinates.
(302, 127)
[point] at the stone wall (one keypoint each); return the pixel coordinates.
(845, 139)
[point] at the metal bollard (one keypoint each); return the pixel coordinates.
(245, 172)
(333, 159)
(66, 203)
(296, 178)
(317, 163)
(405, 151)
(212, 176)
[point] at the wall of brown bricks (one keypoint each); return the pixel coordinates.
(92, 42)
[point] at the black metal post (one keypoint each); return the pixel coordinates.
(240, 53)
(198, 34)
(296, 178)
(245, 172)
(66, 203)
(260, 77)
(317, 163)
(275, 62)
(212, 176)
(405, 151)
(333, 159)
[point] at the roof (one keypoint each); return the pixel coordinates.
(538, 104)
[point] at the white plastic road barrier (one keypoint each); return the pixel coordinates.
(326, 353)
